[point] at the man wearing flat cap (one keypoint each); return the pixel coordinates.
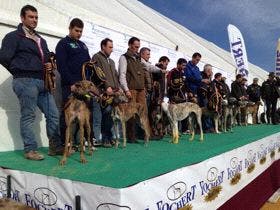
(270, 93)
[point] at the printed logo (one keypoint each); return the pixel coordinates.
(234, 172)
(45, 196)
(112, 206)
(234, 162)
(212, 174)
(176, 190)
(73, 45)
(3, 186)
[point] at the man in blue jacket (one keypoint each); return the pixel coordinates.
(193, 76)
(24, 54)
(71, 53)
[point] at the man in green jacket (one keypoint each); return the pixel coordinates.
(102, 120)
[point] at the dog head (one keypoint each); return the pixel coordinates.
(85, 88)
(224, 102)
(120, 97)
(242, 103)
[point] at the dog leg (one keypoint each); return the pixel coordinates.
(66, 149)
(124, 132)
(90, 149)
(198, 119)
(216, 121)
(145, 125)
(191, 126)
(82, 155)
(116, 129)
(175, 133)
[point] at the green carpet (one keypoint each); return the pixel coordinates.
(120, 168)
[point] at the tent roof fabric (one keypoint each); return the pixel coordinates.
(129, 17)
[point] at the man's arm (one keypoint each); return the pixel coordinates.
(8, 49)
(150, 68)
(122, 73)
(61, 59)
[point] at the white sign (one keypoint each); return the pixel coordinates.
(205, 185)
(238, 50)
(277, 67)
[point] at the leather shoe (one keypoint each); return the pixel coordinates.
(34, 155)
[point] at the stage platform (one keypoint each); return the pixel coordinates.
(139, 177)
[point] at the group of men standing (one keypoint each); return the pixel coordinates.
(24, 53)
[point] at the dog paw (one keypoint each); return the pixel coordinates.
(62, 162)
(83, 160)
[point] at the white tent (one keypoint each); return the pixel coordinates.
(127, 17)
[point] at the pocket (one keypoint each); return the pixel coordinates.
(20, 85)
(17, 87)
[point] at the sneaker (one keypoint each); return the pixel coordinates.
(96, 143)
(186, 132)
(34, 155)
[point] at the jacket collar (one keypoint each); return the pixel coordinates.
(21, 31)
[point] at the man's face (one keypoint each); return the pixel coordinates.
(255, 81)
(146, 55)
(208, 71)
(165, 64)
(239, 79)
(108, 49)
(134, 47)
(75, 32)
(181, 66)
(219, 78)
(30, 19)
(196, 60)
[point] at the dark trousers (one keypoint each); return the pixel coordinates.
(271, 110)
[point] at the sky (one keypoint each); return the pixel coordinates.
(258, 21)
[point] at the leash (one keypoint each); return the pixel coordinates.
(49, 76)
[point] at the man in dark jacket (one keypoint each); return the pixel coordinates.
(71, 53)
(254, 91)
(103, 60)
(226, 90)
(270, 93)
(236, 88)
(160, 76)
(175, 83)
(24, 54)
(254, 94)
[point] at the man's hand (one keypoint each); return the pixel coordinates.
(48, 67)
(109, 91)
(128, 94)
(190, 95)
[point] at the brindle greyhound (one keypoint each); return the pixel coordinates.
(123, 111)
(76, 109)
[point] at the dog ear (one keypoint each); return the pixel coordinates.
(78, 84)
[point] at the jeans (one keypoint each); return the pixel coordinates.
(97, 118)
(31, 93)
